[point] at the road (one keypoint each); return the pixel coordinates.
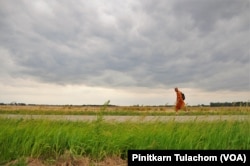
(89, 118)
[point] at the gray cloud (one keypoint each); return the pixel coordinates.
(207, 14)
(193, 44)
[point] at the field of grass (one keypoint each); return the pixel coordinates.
(49, 140)
(120, 110)
(53, 141)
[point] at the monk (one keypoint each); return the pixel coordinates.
(180, 104)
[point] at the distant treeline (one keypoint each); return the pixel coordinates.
(212, 104)
(68, 105)
(14, 104)
(229, 104)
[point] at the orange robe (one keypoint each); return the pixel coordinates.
(179, 101)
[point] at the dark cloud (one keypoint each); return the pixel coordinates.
(207, 13)
(193, 44)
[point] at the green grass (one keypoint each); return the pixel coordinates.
(48, 140)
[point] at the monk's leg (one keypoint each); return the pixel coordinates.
(183, 107)
(177, 107)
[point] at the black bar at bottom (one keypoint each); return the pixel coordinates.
(189, 157)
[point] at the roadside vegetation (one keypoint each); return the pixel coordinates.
(121, 110)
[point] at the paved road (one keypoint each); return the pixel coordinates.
(89, 118)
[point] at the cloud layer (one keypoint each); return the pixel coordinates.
(118, 44)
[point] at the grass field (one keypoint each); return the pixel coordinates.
(53, 142)
(49, 140)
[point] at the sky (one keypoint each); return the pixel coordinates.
(129, 52)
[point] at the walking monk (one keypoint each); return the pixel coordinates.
(180, 104)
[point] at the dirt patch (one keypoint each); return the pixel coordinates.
(34, 162)
(62, 161)
(113, 161)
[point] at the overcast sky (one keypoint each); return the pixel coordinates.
(129, 52)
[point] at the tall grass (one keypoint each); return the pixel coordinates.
(46, 139)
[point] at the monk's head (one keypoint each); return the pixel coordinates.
(176, 89)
